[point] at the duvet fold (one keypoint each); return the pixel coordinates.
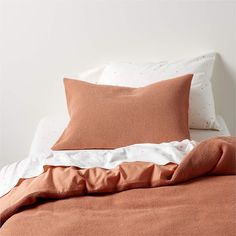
(216, 156)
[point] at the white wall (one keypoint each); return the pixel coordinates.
(43, 40)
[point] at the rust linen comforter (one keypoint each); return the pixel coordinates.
(197, 197)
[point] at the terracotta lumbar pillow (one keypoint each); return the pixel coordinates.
(107, 117)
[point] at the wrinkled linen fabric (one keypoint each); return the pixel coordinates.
(108, 117)
(200, 191)
(33, 166)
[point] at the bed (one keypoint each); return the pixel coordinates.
(147, 160)
(196, 197)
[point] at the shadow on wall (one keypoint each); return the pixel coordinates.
(224, 89)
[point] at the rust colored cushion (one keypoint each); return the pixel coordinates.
(108, 117)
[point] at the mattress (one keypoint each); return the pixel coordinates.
(50, 128)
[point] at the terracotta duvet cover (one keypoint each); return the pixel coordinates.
(196, 197)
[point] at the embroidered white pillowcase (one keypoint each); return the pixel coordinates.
(201, 109)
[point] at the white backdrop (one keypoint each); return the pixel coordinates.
(44, 40)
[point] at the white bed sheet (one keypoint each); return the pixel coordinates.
(50, 128)
(32, 166)
(199, 135)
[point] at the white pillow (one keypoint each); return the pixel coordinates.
(92, 75)
(201, 107)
